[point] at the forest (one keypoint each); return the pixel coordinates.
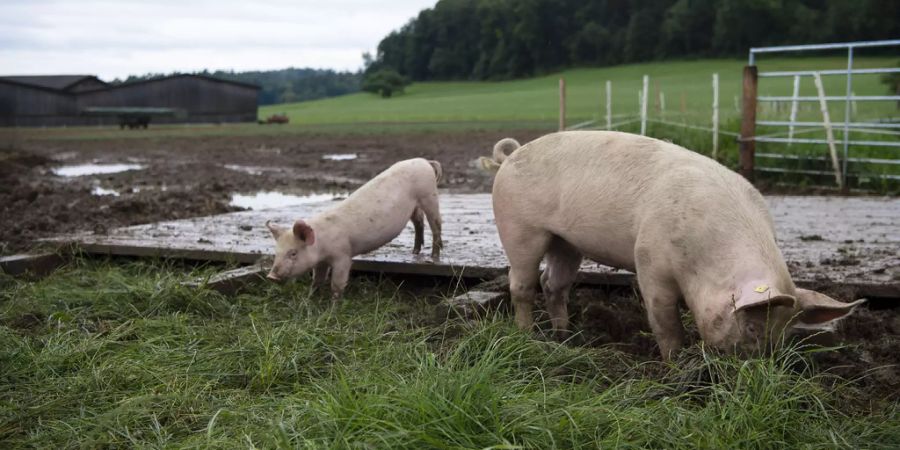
(503, 39)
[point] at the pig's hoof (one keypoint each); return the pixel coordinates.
(562, 335)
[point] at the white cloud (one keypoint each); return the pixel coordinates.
(118, 38)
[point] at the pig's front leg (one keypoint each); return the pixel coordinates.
(340, 274)
(320, 276)
(661, 300)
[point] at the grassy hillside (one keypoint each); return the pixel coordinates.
(535, 99)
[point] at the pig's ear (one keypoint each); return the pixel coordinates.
(275, 229)
(820, 311)
(757, 296)
(760, 302)
(304, 232)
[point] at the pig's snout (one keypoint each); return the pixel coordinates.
(271, 276)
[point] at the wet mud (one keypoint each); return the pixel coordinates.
(191, 177)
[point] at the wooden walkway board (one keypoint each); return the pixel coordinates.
(826, 240)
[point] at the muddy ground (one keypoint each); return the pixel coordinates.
(188, 177)
(867, 343)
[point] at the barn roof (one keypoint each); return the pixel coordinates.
(187, 75)
(55, 82)
(61, 83)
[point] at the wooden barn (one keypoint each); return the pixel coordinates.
(57, 100)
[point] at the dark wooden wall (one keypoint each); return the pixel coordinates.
(27, 106)
(200, 99)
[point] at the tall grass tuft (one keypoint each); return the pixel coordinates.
(105, 354)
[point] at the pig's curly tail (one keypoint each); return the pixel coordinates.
(501, 150)
(438, 171)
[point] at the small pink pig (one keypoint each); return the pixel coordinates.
(369, 218)
(691, 229)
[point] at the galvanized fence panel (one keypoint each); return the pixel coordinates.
(847, 126)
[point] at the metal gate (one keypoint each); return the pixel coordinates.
(888, 130)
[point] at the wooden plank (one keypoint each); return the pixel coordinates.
(476, 303)
(832, 240)
(230, 282)
(862, 290)
(35, 265)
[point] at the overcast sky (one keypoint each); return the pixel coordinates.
(116, 38)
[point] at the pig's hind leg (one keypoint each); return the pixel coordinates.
(524, 247)
(430, 206)
(563, 261)
(418, 221)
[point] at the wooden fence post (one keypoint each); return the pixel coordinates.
(562, 104)
(656, 91)
(662, 103)
(715, 115)
(644, 106)
(826, 120)
(608, 105)
(748, 123)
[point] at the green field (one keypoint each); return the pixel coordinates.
(679, 92)
(107, 354)
(533, 104)
(535, 99)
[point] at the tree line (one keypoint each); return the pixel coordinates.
(501, 39)
(285, 85)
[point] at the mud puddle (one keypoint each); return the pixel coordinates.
(80, 170)
(251, 170)
(340, 156)
(100, 191)
(276, 199)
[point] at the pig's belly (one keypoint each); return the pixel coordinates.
(382, 229)
(611, 249)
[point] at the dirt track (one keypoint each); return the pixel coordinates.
(186, 177)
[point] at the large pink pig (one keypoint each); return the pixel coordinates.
(691, 229)
(369, 218)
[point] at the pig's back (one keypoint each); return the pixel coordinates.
(403, 181)
(379, 210)
(596, 189)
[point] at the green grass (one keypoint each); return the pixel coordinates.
(535, 99)
(532, 103)
(458, 107)
(105, 354)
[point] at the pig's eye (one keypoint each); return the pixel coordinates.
(292, 254)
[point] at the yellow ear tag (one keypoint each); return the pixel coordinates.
(761, 288)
